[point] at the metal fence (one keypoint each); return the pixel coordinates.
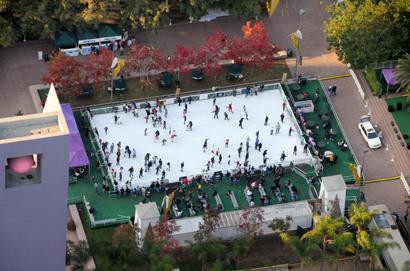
(384, 64)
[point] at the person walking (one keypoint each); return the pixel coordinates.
(282, 117)
(182, 167)
(240, 123)
(295, 150)
(290, 131)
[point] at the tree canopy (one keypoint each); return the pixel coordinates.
(368, 31)
(38, 19)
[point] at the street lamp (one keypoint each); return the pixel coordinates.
(365, 150)
(299, 36)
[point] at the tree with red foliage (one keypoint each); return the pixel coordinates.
(67, 74)
(212, 52)
(98, 68)
(257, 39)
(163, 231)
(183, 60)
(143, 60)
(251, 221)
(211, 219)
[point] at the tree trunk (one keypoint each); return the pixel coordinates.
(301, 265)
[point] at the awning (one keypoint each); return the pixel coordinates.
(77, 154)
(390, 76)
(108, 33)
(65, 39)
(87, 37)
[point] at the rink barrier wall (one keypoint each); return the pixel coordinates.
(170, 97)
(207, 96)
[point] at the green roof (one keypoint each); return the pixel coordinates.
(65, 39)
(108, 31)
(88, 34)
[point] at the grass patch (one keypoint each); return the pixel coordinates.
(402, 117)
(137, 91)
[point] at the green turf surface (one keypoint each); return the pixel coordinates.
(322, 107)
(402, 117)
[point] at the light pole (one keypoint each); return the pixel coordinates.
(298, 51)
(365, 150)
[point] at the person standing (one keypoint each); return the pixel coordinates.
(226, 116)
(105, 130)
(266, 120)
(283, 106)
(182, 167)
(205, 145)
(295, 150)
(239, 152)
(131, 171)
(240, 123)
(227, 143)
(290, 131)
(282, 117)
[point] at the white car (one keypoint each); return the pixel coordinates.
(369, 133)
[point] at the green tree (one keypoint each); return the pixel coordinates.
(80, 254)
(305, 249)
(343, 243)
(245, 9)
(403, 74)
(368, 31)
(360, 218)
(240, 248)
(207, 252)
(326, 230)
(143, 13)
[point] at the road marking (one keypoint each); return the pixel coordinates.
(335, 76)
(383, 179)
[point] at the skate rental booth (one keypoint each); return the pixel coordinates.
(270, 88)
(67, 43)
(78, 159)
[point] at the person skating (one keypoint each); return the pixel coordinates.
(156, 134)
(283, 156)
(240, 123)
(164, 125)
(226, 116)
(265, 152)
(112, 147)
(182, 167)
(239, 151)
(157, 170)
(282, 117)
(277, 128)
(145, 132)
(184, 119)
(168, 166)
(205, 145)
(290, 131)
(212, 161)
(305, 148)
(163, 175)
(230, 108)
(173, 135)
(266, 121)
(141, 172)
(227, 143)
(295, 150)
(214, 101)
(116, 118)
(256, 143)
(229, 160)
(131, 171)
(246, 156)
(283, 106)
(259, 146)
(189, 127)
(105, 130)
(220, 158)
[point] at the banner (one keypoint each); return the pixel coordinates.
(271, 6)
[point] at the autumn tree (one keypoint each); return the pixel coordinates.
(143, 60)
(257, 40)
(212, 52)
(183, 60)
(98, 68)
(211, 220)
(163, 234)
(251, 221)
(66, 73)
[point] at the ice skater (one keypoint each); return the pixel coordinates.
(226, 116)
(131, 171)
(116, 118)
(259, 146)
(141, 173)
(246, 156)
(283, 106)
(220, 158)
(305, 148)
(229, 160)
(282, 117)
(156, 135)
(277, 128)
(240, 123)
(265, 152)
(227, 143)
(105, 130)
(239, 151)
(189, 126)
(173, 136)
(290, 131)
(283, 156)
(182, 167)
(164, 125)
(145, 132)
(295, 150)
(184, 118)
(266, 120)
(112, 147)
(230, 108)
(205, 145)
(168, 166)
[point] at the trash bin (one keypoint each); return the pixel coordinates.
(289, 52)
(40, 55)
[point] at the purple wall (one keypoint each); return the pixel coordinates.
(33, 218)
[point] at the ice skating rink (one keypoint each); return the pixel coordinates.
(187, 147)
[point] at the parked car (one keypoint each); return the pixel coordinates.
(369, 133)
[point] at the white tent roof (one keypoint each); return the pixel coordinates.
(334, 183)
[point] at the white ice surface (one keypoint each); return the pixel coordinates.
(187, 147)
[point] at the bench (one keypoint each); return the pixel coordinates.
(234, 201)
(248, 198)
(293, 195)
(219, 201)
(191, 212)
(262, 191)
(278, 195)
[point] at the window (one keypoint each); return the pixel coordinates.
(23, 170)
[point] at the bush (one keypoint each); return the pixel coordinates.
(71, 225)
(371, 78)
